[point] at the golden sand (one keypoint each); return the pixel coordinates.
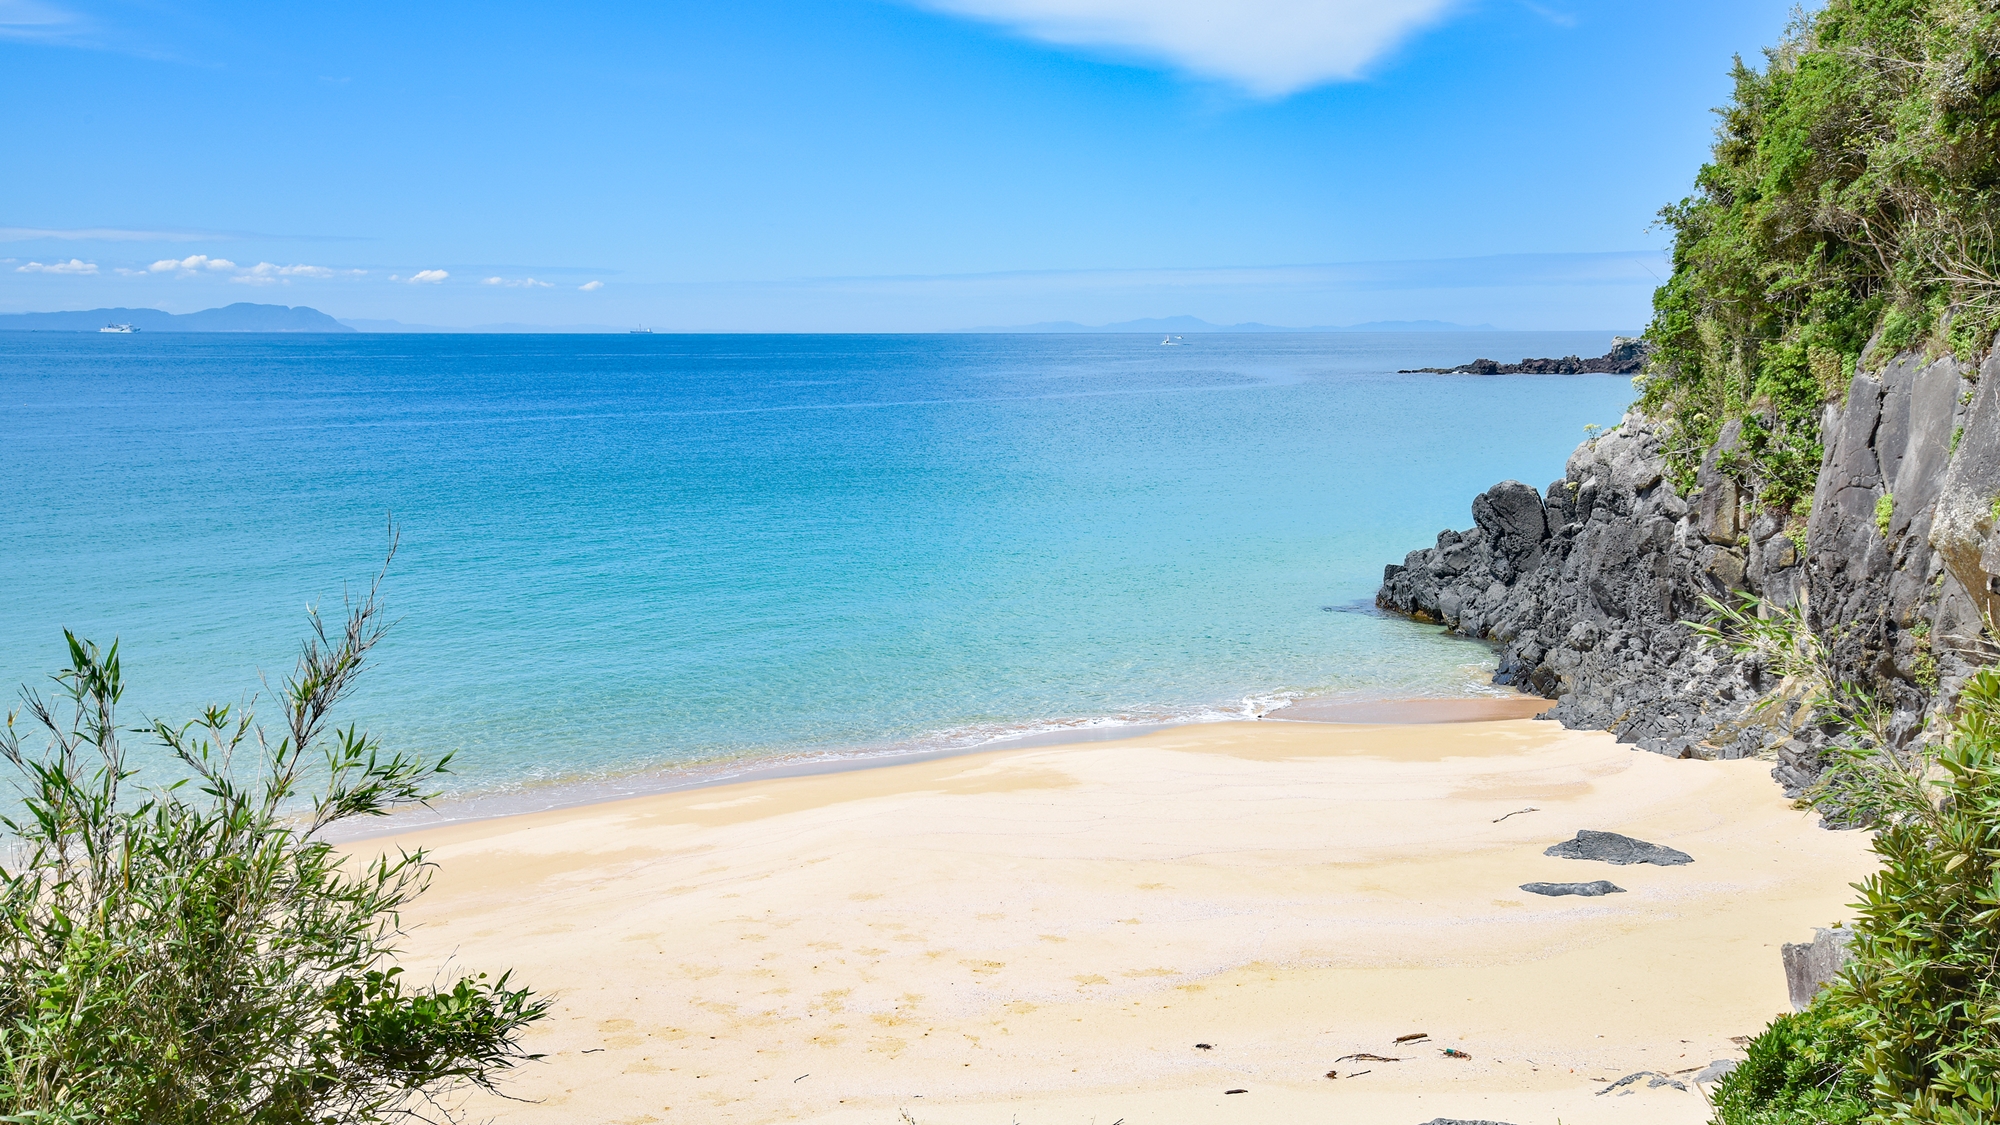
(1045, 935)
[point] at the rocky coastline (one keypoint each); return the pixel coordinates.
(1626, 357)
(1589, 586)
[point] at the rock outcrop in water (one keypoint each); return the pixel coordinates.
(1626, 357)
(1588, 586)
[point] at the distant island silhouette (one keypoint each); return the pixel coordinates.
(243, 316)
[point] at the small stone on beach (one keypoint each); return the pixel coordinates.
(1610, 847)
(1588, 890)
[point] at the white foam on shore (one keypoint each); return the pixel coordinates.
(556, 791)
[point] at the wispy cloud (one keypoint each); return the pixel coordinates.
(518, 283)
(427, 277)
(105, 234)
(29, 19)
(1269, 48)
(1560, 19)
(74, 265)
(591, 286)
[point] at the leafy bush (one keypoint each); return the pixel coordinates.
(1803, 1068)
(197, 953)
(1924, 988)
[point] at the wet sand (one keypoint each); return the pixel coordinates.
(1046, 933)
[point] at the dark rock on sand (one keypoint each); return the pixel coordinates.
(1462, 1121)
(1812, 965)
(1587, 890)
(1610, 847)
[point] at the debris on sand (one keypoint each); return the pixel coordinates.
(1656, 1081)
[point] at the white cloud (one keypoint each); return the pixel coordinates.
(193, 263)
(519, 283)
(266, 273)
(1268, 47)
(74, 265)
(591, 286)
(427, 277)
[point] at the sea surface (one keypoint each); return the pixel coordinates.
(625, 558)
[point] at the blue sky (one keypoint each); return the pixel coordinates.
(859, 165)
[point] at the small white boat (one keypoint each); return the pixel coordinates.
(1170, 341)
(642, 330)
(118, 328)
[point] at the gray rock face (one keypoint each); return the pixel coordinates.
(1589, 604)
(1812, 965)
(1588, 890)
(1610, 847)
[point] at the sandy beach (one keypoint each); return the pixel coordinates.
(1051, 934)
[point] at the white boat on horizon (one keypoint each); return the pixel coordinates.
(118, 328)
(642, 330)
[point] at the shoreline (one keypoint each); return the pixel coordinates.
(1050, 930)
(558, 795)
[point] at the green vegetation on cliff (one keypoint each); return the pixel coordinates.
(1853, 195)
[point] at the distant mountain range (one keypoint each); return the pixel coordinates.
(360, 325)
(1196, 324)
(240, 317)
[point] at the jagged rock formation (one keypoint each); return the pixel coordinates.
(1626, 357)
(1587, 588)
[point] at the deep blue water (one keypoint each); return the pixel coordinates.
(623, 553)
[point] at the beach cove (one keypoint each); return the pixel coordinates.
(1047, 934)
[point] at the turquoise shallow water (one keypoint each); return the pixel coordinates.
(624, 554)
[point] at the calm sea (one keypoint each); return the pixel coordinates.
(629, 554)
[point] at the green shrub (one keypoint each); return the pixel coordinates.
(1924, 988)
(1921, 999)
(1885, 510)
(1803, 1068)
(197, 953)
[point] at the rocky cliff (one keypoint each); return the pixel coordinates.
(1588, 586)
